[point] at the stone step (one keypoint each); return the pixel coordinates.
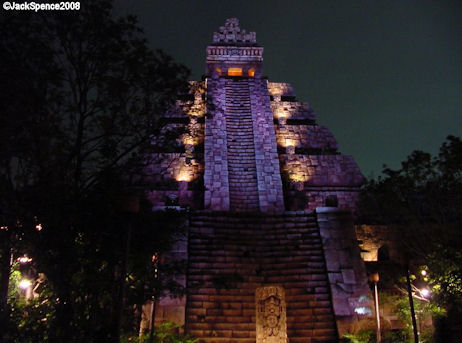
(284, 249)
(242, 177)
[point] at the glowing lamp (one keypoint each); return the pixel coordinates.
(297, 177)
(290, 143)
(425, 292)
(25, 284)
(374, 277)
(188, 140)
(184, 175)
(24, 259)
(38, 227)
(281, 114)
(363, 310)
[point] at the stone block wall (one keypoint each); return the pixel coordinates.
(170, 176)
(284, 110)
(374, 237)
(308, 159)
(216, 183)
(232, 255)
(322, 170)
(310, 164)
(305, 137)
(312, 178)
(227, 146)
(280, 88)
(311, 197)
(172, 308)
(345, 268)
(242, 169)
(176, 170)
(268, 173)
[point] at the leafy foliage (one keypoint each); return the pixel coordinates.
(424, 310)
(167, 332)
(445, 276)
(81, 99)
(422, 201)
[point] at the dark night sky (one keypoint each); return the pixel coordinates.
(384, 76)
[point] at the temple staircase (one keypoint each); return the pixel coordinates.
(243, 189)
(231, 254)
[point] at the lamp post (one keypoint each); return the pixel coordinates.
(411, 305)
(129, 206)
(375, 279)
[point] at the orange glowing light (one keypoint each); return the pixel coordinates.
(252, 72)
(281, 114)
(234, 71)
(185, 174)
(290, 142)
(218, 70)
(297, 177)
(189, 140)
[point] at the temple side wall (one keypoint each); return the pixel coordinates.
(345, 268)
(171, 308)
(305, 136)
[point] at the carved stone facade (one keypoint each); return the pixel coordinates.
(270, 307)
(263, 263)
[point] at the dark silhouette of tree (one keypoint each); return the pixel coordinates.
(422, 202)
(81, 96)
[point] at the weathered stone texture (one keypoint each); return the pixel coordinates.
(170, 308)
(263, 152)
(375, 237)
(270, 304)
(322, 170)
(232, 255)
(306, 137)
(247, 139)
(268, 173)
(347, 277)
(243, 186)
(280, 88)
(284, 110)
(232, 33)
(216, 182)
(171, 173)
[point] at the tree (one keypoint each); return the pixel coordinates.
(422, 201)
(81, 95)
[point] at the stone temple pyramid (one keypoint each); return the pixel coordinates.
(271, 251)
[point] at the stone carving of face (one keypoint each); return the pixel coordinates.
(272, 321)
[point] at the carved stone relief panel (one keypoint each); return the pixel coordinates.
(271, 323)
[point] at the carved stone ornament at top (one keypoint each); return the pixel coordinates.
(271, 315)
(231, 33)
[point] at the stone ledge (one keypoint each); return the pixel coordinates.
(332, 210)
